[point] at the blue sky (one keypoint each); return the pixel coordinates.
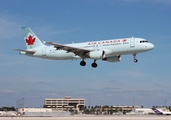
(66, 21)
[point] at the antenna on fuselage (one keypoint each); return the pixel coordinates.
(44, 42)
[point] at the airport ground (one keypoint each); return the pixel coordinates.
(126, 117)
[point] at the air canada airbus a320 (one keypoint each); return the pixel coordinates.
(106, 50)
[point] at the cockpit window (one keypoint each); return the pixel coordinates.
(143, 41)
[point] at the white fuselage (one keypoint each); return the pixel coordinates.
(117, 46)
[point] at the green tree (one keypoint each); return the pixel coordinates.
(7, 109)
(116, 109)
(111, 110)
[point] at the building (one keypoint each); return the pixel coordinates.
(23, 110)
(48, 112)
(65, 104)
(117, 109)
(124, 108)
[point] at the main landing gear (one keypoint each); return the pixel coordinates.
(82, 63)
(94, 64)
(135, 60)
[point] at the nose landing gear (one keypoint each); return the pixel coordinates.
(135, 60)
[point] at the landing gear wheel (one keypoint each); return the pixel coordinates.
(83, 63)
(135, 60)
(94, 65)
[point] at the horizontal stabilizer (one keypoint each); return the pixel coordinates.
(25, 51)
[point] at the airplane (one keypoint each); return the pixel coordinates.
(160, 112)
(107, 50)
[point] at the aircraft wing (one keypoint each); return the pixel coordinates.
(25, 51)
(77, 51)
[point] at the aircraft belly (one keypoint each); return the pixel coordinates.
(60, 55)
(125, 50)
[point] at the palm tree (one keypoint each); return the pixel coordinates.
(111, 110)
(116, 109)
(84, 109)
(170, 108)
(92, 110)
(100, 109)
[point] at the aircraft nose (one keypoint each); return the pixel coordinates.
(151, 46)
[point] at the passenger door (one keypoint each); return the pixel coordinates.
(44, 51)
(132, 42)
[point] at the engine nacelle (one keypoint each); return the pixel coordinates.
(113, 59)
(99, 54)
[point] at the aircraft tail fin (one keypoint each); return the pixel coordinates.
(157, 111)
(31, 40)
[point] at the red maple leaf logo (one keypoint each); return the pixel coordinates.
(30, 40)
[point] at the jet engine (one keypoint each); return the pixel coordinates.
(113, 59)
(99, 54)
